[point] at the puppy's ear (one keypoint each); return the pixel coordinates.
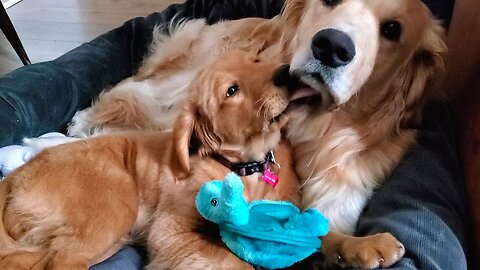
(205, 137)
(192, 131)
(208, 140)
(182, 134)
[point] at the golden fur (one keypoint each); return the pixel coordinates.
(75, 204)
(342, 149)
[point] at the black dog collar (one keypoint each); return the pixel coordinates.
(246, 168)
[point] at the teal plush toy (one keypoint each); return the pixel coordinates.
(270, 234)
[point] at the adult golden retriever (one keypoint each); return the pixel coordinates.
(373, 84)
(76, 204)
(365, 66)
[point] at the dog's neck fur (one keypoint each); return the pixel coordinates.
(356, 147)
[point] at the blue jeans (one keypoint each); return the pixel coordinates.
(129, 258)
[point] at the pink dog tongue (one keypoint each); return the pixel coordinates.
(303, 92)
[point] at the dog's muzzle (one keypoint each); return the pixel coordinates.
(318, 77)
(301, 93)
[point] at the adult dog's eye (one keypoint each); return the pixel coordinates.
(391, 30)
(232, 90)
(332, 3)
(214, 202)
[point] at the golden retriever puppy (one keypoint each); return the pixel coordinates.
(75, 204)
(365, 66)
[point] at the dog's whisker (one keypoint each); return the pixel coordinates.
(261, 99)
(261, 107)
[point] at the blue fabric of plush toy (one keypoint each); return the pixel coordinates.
(270, 234)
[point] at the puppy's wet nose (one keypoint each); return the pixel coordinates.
(333, 48)
(283, 78)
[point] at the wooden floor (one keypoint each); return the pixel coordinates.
(49, 28)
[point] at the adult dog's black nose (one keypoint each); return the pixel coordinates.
(333, 48)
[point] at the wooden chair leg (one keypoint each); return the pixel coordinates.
(7, 28)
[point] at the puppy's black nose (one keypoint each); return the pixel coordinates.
(282, 78)
(333, 48)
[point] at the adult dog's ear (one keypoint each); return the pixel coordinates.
(426, 65)
(291, 14)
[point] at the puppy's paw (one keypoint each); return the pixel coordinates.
(81, 126)
(276, 126)
(283, 120)
(376, 251)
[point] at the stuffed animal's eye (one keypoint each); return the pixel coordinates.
(214, 202)
(391, 30)
(331, 3)
(232, 90)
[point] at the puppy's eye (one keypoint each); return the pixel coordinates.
(391, 30)
(232, 90)
(332, 3)
(214, 202)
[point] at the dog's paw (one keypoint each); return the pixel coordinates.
(283, 120)
(276, 126)
(376, 251)
(81, 126)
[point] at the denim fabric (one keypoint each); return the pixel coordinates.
(129, 258)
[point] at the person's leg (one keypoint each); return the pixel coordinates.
(424, 204)
(128, 258)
